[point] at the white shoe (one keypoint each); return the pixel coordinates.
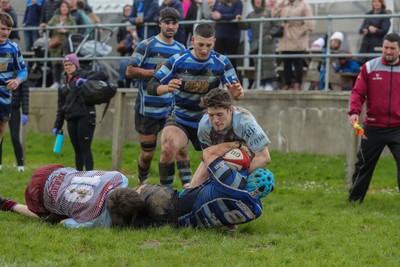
(21, 168)
(1, 167)
(55, 85)
(268, 87)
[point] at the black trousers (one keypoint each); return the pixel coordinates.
(81, 132)
(227, 47)
(15, 126)
(368, 155)
(292, 68)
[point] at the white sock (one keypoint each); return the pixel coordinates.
(21, 168)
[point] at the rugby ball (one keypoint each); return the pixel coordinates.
(237, 159)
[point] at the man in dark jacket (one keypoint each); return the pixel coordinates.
(48, 9)
(144, 11)
(379, 82)
(32, 19)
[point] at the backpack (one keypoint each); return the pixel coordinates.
(95, 92)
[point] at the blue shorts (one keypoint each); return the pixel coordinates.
(147, 126)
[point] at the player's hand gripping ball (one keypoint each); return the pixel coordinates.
(237, 159)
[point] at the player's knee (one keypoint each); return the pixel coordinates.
(168, 149)
(148, 146)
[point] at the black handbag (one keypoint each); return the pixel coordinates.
(276, 31)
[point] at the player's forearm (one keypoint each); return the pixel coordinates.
(138, 73)
(213, 152)
(260, 160)
(152, 86)
(22, 75)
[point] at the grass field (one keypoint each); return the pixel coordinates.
(306, 221)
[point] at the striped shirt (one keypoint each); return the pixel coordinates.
(198, 78)
(12, 65)
(80, 195)
(151, 54)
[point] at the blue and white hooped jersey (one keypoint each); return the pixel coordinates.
(244, 128)
(198, 78)
(12, 65)
(222, 201)
(152, 54)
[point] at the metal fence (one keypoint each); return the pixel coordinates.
(113, 27)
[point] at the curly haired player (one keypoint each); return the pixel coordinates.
(224, 122)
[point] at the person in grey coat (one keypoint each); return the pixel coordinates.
(268, 66)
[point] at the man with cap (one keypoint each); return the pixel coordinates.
(151, 111)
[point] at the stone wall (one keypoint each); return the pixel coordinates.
(314, 122)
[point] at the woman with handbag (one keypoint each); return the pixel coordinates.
(295, 39)
(80, 116)
(58, 39)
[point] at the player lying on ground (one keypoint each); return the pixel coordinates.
(229, 197)
(77, 198)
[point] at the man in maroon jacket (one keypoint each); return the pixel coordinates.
(379, 84)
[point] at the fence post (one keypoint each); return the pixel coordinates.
(351, 158)
(118, 130)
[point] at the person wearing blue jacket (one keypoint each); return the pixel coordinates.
(227, 34)
(32, 19)
(144, 11)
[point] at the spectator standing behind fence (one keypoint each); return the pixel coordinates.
(48, 11)
(177, 4)
(207, 7)
(63, 18)
(73, 10)
(189, 13)
(268, 71)
(20, 100)
(295, 39)
(227, 34)
(144, 11)
(80, 5)
(374, 29)
(130, 42)
(80, 117)
(377, 86)
(7, 8)
(32, 19)
(123, 49)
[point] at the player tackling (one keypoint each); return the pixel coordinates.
(224, 122)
